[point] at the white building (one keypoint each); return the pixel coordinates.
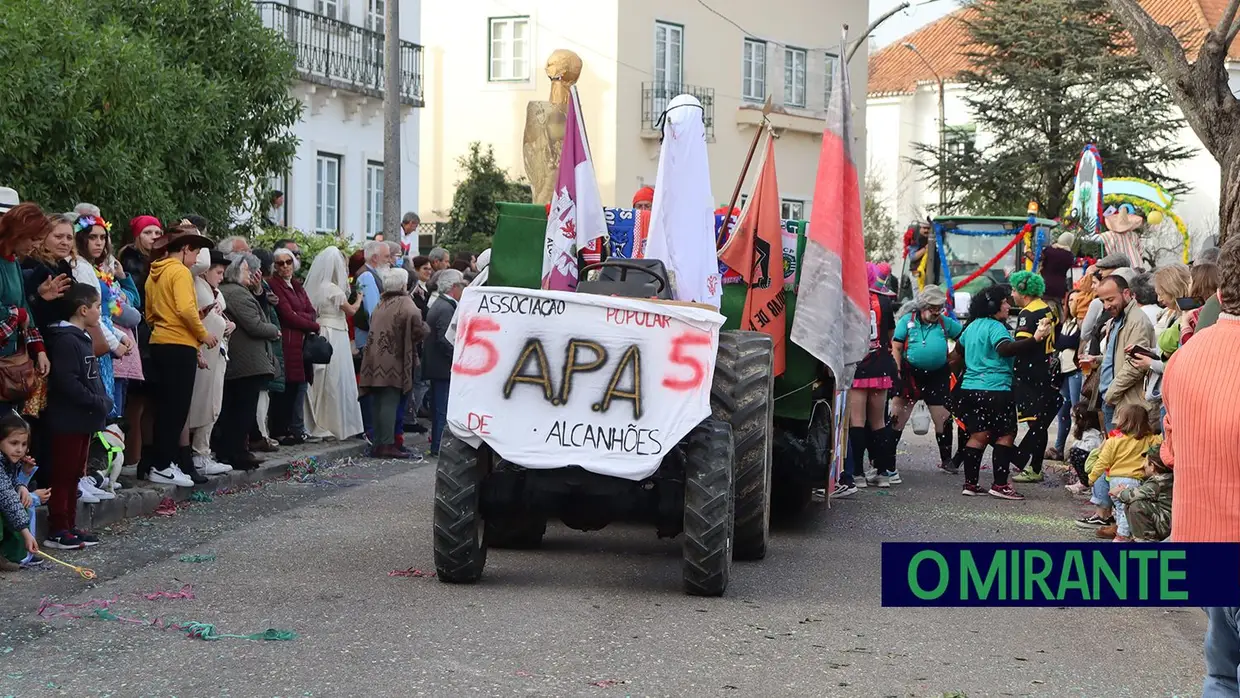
(902, 109)
(335, 182)
(486, 60)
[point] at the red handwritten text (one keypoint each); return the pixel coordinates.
(678, 355)
(477, 423)
(471, 329)
(635, 317)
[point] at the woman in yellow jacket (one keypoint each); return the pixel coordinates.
(1121, 464)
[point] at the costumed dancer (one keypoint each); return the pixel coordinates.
(1036, 373)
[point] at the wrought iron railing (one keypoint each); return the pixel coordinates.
(657, 95)
(342, 55)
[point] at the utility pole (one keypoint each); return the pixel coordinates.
(391, 118)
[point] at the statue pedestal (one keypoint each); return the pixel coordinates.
(544, 137)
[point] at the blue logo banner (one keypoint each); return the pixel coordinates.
(1061, 574)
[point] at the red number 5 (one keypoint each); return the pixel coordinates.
(678, 356)
(472, 327)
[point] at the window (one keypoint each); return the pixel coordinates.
(753, 82)
(327, 193)
(510, 48)
(375, 10)
(277, 183)
(794, 77)
(792, 210)
(669, 46)
(328, 8)
(374, 198)
(832, 64)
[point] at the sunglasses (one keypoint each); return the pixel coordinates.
(283, 263)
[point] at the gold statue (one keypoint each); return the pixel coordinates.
(545, 123)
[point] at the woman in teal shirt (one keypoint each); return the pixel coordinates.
(920, 349)
(984, 401)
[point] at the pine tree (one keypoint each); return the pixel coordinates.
(1045, 78)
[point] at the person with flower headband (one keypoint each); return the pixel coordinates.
(95, 267)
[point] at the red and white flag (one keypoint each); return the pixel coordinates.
(832, 320)
(576, 218)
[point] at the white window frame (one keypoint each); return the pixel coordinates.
(795, 68)
(791, 209)
(753, 70)
(830, 61)
(510, 50)
(327, 193)
(277, 182)
(328, 8)
(673, 37)
(376, 12)
(374, 198)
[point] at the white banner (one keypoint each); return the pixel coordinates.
(550, 379)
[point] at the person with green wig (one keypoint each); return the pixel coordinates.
(1036, 368)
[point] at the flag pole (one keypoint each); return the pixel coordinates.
(740, 181)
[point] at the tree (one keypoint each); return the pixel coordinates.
(1200, 89)
(878, 228)
(142, 107)
(1045, 78)
(474, 215)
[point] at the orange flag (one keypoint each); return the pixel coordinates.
(756, 252)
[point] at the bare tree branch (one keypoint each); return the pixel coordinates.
(1157, 44)
(1227, 25)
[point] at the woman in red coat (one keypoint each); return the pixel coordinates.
(297, 319)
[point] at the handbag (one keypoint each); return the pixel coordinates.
(316, 349)
(920, 421)
(17, 376)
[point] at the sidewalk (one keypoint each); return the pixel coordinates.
(142, 498)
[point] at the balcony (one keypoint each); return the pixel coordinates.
(657, 95)
(341, 55)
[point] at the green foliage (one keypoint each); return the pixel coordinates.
(474, 214)
(309, 244)
(164, 107)
(1047, 77)
(878, 228)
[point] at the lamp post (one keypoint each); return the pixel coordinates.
(942, 127)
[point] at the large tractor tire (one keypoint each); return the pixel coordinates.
(460, 546)
(517, 532)
(707, 549)
(742, 395)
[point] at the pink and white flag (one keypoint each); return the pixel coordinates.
(576, 217)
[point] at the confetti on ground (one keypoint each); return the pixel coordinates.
(47, 609)
(197, 558)
(196, 629)
(523, 674)
(608, 683)
(167, 507)
(884, 493)
(199, 496)
(411, 572)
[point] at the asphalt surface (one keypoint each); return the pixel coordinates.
(593, 614)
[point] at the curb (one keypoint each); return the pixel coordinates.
(141, 498)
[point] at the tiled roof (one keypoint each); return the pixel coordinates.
(895, 69)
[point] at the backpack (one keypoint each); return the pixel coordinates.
(361, 319)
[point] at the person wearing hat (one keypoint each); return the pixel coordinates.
(176, 333)
(643, 200)
(920, 348)
(8, 199)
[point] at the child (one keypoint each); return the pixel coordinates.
(77, 407)
(1087, 432)
(1149, 505)
(209, 381)
(17, 543)
(1121, 463)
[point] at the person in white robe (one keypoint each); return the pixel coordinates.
(332, 410)
(212, 361)
(682, 220)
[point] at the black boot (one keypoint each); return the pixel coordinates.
(972, 459)
(857, 438)
(944, 441)
(893, 435)
(1001, 461)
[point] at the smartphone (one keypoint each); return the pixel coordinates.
(1138, 350)
(1186, 303)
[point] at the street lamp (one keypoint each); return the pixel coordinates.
(942, 127)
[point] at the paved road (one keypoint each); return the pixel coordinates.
(593, 614)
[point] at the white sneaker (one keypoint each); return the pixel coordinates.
(86, 494)
(170, 475)
(207, 466)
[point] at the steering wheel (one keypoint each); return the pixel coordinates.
(626, 265)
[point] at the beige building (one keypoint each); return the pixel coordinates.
(485, 61)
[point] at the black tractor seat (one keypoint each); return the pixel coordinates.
(627, 278)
